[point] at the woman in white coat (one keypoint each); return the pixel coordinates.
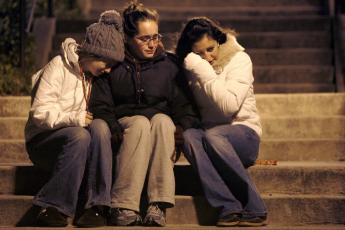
(63, 138)
(220, 77)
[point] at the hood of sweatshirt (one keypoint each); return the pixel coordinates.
(69, 54)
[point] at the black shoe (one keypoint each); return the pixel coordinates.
(51, 217)
(252, 221)
(92, 217)
(229, 220)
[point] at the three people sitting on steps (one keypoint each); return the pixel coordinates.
(107, 115)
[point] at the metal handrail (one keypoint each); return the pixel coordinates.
(50, 8)
(336, 41)
(25, 28)
(31, 17)
(22, 35)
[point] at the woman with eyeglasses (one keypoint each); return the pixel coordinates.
(220, 75)
(144, 107)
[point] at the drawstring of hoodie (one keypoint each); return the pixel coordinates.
(86, 82)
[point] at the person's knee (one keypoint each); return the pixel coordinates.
(193, 144)
(190, 135)
(79, 140)
(213, 137)
(76, 147)
(249, 159)
(99, 128)
(141, 124)
(79, 135)
(163, 121)
(219, 147)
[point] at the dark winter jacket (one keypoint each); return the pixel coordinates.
(143, 88)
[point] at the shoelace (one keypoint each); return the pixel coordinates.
(129, 213)
(154, 209)
(125, 211)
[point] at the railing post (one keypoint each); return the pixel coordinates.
(22, 35)
(50, 8)
(31, 17)
(336, 45)
(331, 8)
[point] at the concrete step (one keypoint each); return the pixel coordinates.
(303, 149)
(303, 127)
(321, 104)
(195, 226)
(259, 24)
(272, 57)
(239, 23)
(293, 74)
(13, 151)
(267, 40)
(183, 12)
(107, 4)
(14, 106)
(284, 210)
(274, 127)
(276, 40)
(268, 104)
(291, 56)
(286, 177)
(12, 127)
(293, 88)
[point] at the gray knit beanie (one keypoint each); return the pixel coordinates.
(105, 38)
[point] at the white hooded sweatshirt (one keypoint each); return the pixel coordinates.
(59, 100)
(224, 90)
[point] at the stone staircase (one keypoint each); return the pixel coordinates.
(305, 133)
(290, 45)
(289, 40)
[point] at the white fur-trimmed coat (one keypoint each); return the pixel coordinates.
(224, 90)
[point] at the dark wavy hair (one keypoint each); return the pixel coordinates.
(194, 30)
(133, 14)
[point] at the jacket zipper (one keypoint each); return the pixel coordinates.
(138, 83)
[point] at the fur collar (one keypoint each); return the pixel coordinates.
(226, 53)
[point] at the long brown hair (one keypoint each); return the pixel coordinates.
(133, 14)
(194, 30)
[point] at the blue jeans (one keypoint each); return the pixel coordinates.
(220, 156)
(69, 154)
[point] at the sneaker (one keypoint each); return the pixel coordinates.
(252, 221)
(155, 216)
(51, 217)
(92, 217)
(229, 220)
(124, 217)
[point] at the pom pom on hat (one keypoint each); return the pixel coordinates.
(111, 17)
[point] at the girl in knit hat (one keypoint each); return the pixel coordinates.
(62, 136)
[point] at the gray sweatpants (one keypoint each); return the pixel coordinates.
(146, 153)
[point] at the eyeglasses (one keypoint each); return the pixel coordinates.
(147, 38)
